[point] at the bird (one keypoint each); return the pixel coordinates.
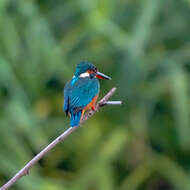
(81, 92)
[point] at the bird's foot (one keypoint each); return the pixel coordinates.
(93, 108)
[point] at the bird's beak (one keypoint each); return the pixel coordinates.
(102, 76)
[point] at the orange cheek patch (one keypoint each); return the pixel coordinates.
(90, 71)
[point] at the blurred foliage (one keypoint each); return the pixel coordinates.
(144, 46)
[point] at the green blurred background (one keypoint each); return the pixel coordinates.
(144, 46)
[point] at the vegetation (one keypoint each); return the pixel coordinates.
(144, 46)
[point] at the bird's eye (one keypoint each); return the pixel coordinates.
(92, 70)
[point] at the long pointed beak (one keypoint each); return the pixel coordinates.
(102, 76)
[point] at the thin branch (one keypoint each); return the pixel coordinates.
(25, 170)
(113, 103)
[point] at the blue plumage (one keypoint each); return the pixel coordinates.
(78, 95)
(80, 91)
(75, 118)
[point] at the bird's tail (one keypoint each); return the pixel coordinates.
(75, 119)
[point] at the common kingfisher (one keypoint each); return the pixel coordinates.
(81, 92)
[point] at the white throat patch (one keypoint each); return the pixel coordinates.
(83, 75)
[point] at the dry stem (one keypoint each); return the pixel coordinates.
(25, 170)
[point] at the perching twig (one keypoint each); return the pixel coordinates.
(113, 103)
(24, 171)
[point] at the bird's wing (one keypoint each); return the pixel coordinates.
(66, 97)
(82, 93)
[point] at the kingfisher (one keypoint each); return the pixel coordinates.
(81, 92)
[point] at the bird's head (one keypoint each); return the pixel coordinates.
(87, 69)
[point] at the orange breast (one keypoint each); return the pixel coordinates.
(92, 103)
